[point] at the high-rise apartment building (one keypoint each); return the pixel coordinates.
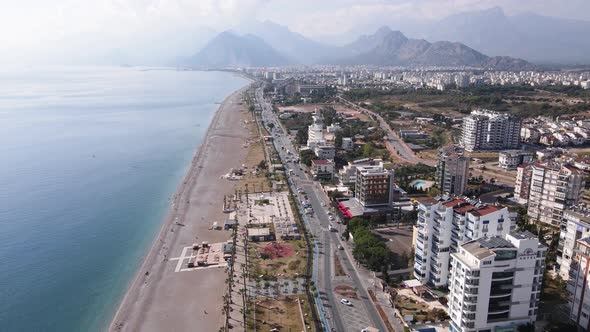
(488, 130)
(553, 187)
(315, 131)
(452, 170)
(575, 225)
(445, 224)
(578, 285)
(495, 283)
(374, 186)
(522, 185)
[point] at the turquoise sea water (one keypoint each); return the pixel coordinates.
(88, 160)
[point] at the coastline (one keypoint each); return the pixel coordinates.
(152, 279)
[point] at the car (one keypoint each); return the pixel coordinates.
(331, 218)
(346, 302)
(340, 247)
(323, 204)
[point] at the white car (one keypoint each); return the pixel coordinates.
(323, 204)
(346, 302)
(331, 218)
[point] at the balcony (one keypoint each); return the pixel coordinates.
(467, 324)
(469, 308)
(470, 299)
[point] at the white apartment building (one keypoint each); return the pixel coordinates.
(452, 170)
(510, 159)
(347, 174)
(315, 132)
(575, 225)
(488, 130)
(444, 225)
(322, 168)
(553, 188)
(495, 283)
(579, 284)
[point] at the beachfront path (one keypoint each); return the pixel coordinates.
(163, 299)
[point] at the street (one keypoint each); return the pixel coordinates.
(339, 317)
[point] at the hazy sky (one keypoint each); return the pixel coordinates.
(33, 28)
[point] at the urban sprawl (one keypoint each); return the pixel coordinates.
(433, 198)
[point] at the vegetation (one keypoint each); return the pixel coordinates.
(520, 100)
(307, 156)
(369, 249)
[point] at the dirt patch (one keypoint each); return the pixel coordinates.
(346, 291)
(277, 250)
(283, 314)
(338, 269)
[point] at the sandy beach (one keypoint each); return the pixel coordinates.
(161, 298)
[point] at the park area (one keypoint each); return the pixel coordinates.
(278, 259)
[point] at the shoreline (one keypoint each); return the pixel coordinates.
(152, 268)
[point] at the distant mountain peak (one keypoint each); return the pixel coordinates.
(392, 48)
(228, 49)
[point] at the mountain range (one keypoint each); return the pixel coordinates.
(275, 45)
(537, 38)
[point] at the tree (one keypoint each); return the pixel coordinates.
(301, 136)
(338, 139)
(307, 156)
(368, 150)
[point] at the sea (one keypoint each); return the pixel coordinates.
(89, 158)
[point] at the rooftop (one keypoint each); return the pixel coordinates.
(321, 162)
(495, 242)
(486, 210)
(483, 247)
(524, 235)
(258, 231)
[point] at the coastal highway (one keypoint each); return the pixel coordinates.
(341, 318)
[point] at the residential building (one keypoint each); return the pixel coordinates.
(452, 171)
(347, 174)
(510, 159)
(445, 224)
(322, 169)
(579, 284)
(495, 283)
(488, 130)
(522, 185)
(347, 144)
(553, 188)
(575, 225)
(333, 128)
(325, 151)
(315, 131)
(374, 186)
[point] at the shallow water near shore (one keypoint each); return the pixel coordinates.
(88, 160)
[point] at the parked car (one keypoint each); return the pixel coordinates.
(346, 302)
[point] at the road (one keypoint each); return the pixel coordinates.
(394, 143)
(327, 242)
